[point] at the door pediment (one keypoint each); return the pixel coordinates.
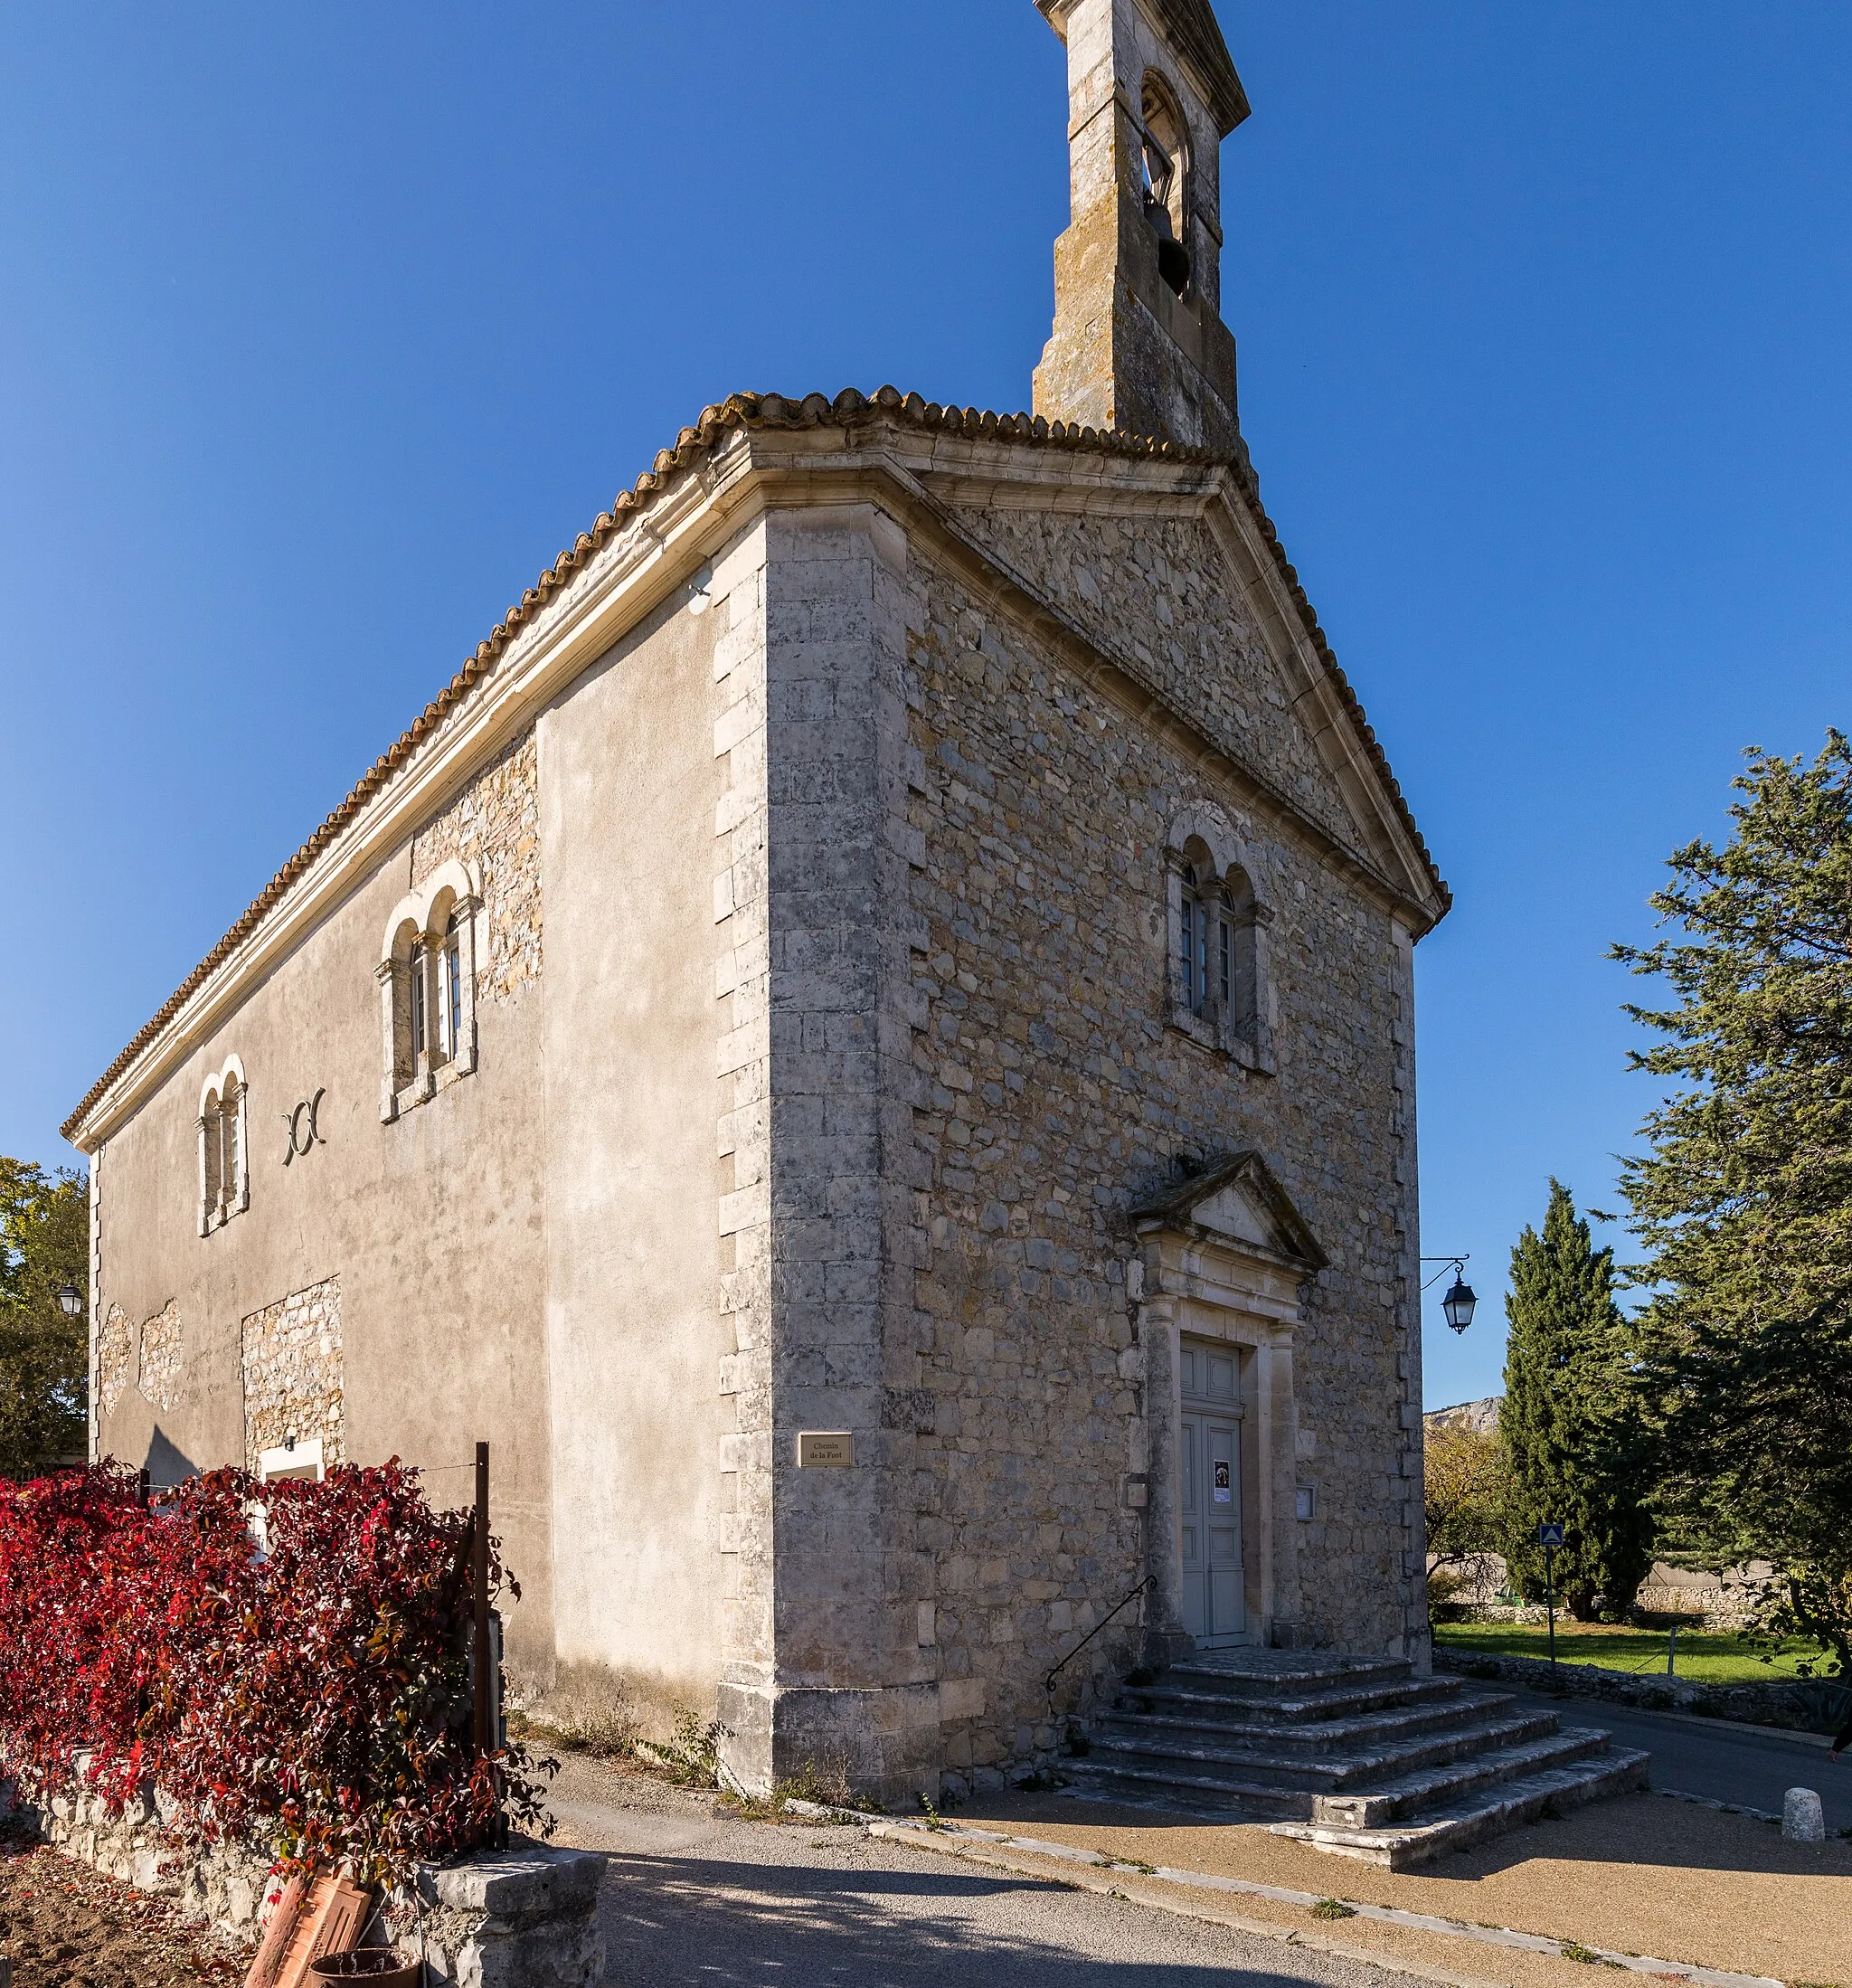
(1238, 1203)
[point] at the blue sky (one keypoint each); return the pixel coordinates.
(321, 330)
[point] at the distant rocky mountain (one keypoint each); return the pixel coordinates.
(1480, 1417)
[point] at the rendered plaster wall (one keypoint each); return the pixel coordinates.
(1055, 1096)
(432, 1226)
(627, 786)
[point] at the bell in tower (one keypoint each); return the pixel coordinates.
(1139, 344)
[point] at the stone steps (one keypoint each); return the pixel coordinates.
(1184, 1714)
(1150, 1740)
(1409, 1793)
(1458, 1824)
(1258, 1797)
(1412, 1695)
(1355, 1756)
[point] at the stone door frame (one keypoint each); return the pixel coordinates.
(1205, 1282)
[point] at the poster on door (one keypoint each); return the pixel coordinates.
(1224, 1493)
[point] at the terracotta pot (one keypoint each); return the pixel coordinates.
(377, 1966)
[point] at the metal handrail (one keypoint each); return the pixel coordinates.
(1144, 1587)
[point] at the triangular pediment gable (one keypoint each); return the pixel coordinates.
(1182, 594)
(1239, 1201)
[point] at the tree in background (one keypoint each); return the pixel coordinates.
(1572, 1429)
(1463, 1494)
(44, 1356)
(1743, 1197)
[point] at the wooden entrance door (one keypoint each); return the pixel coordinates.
(1215, 1600)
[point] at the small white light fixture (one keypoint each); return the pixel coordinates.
(295, 1459)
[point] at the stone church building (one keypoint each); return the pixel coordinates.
(864, 1041)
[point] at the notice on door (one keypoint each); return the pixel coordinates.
(825, 1450)
(1225, 1493)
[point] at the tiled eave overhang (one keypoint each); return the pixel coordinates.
(759, 452)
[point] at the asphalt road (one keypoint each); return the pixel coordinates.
(1713, 1757)
(701, 1898)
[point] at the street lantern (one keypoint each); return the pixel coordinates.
(69, 1301)
(1457, 1306)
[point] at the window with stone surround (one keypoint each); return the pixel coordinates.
(427, 979)
(1218, 992)
(224, 1148)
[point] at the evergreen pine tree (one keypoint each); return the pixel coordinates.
(1571, 1426)
(1743, 1194)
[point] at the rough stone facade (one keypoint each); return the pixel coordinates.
(1160, 593)
(115, 1359)
(161, 1358)
(826, 1654)
(495, 823)
(1052, 1092)
(290, 1357)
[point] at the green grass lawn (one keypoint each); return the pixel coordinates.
(1719, 1658)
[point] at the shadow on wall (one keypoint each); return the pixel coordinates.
(166, 1466)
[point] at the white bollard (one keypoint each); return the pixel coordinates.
(1802, 1820)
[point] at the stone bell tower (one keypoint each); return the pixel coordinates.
(1139, 342)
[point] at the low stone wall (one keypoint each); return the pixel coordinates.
(222, 1885)
(1801, 1708)
(525, 1917)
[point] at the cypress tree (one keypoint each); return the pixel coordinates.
(1570, 1427)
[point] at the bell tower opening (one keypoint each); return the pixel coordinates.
(1139, 345)
(1164, 163)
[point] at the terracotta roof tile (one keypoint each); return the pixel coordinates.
(740, 410)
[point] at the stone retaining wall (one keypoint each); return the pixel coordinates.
(1801, 1707)
(525, 1917)
(219, 1885)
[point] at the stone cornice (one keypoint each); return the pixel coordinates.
(749, 455)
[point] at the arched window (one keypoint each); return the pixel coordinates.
(426, 976)
(1165, 167)
(1205, 941)
(450, 987)
(418, 974)
(1218, 977)
(224, 1152)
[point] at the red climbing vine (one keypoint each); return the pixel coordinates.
(312, 1692)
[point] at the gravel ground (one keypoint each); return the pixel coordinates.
(706, 1897)
(63, 1925)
